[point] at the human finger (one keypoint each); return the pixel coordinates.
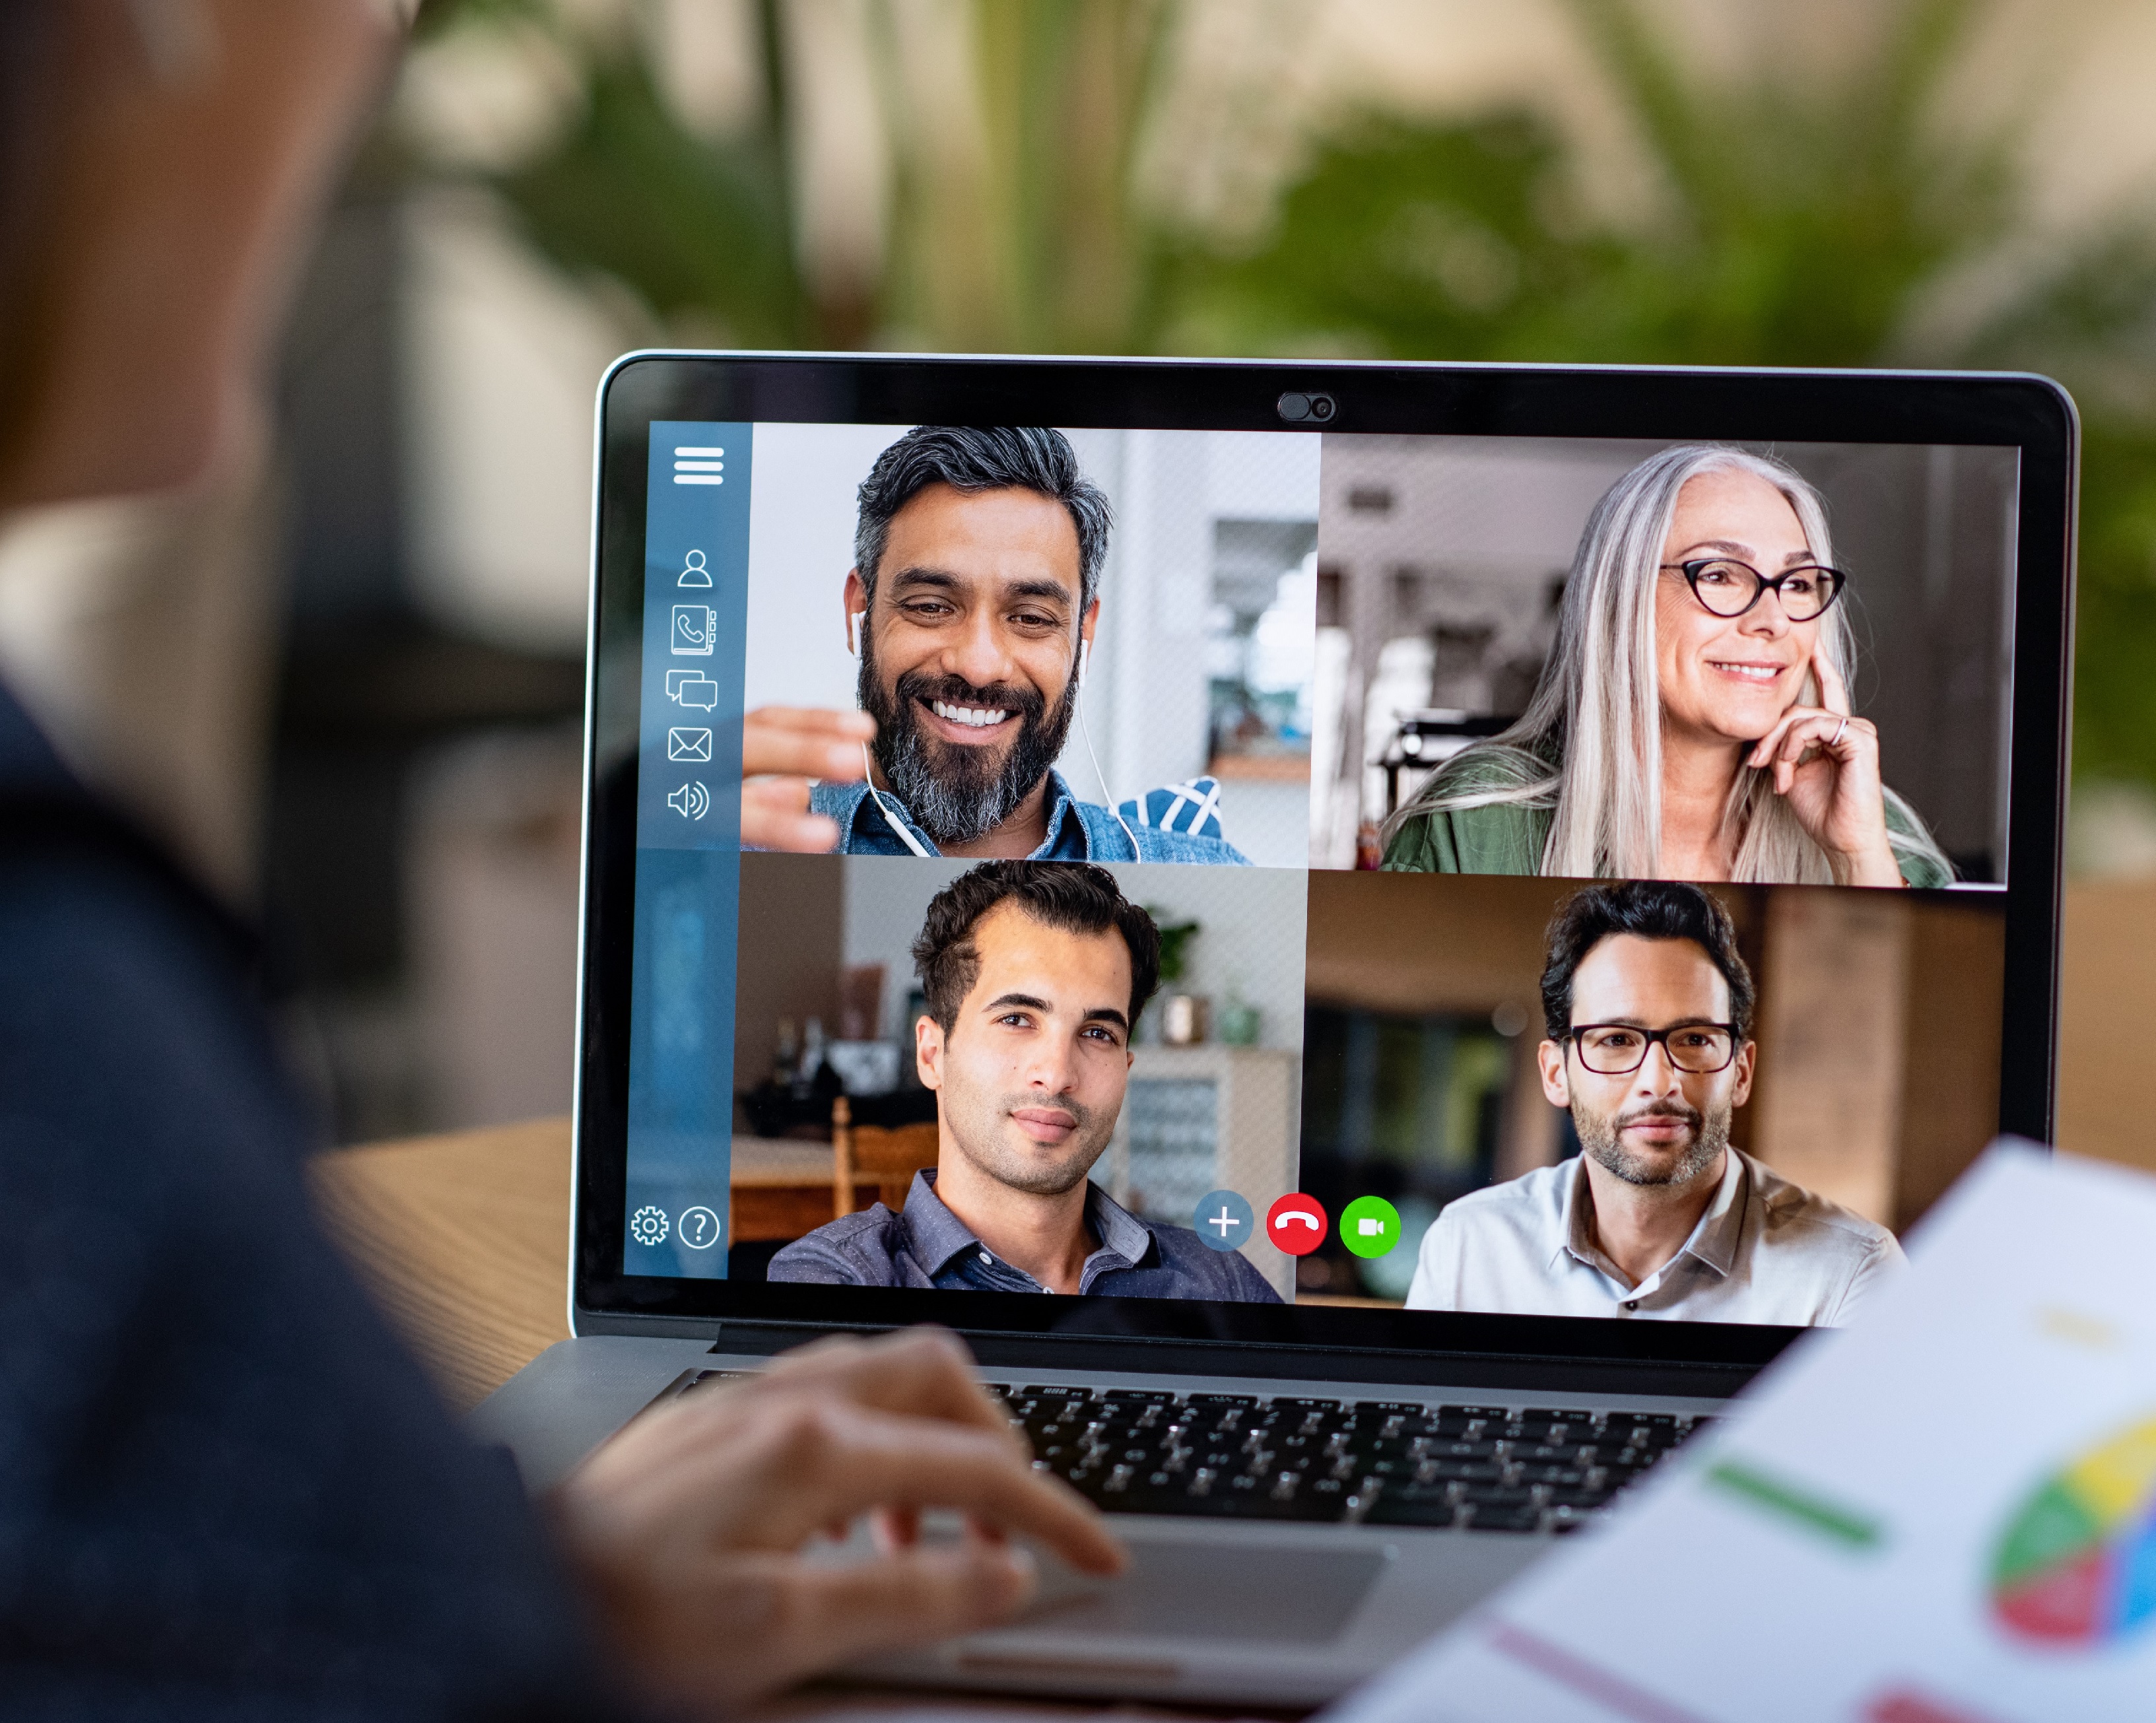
(925, 1372)
(1829, 732)
(764, 1470)
(847, 1461)
(1842, 739)
(805, 742)
(775, 816)
(1762, 750)
(827, 1614)
(1796, 742)
(1797, 721)
(1833, 692)
(895, 1528)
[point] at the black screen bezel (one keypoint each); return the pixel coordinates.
(2028, 413)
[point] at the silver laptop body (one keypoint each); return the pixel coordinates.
(724, 481)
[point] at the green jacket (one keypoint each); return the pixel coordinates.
(1507, 838)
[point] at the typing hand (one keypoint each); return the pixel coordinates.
(689, 1526)
(782, 747)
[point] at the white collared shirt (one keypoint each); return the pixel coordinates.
(1765, 1251)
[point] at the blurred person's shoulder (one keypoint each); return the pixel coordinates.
(102, 935)
(264, 1443)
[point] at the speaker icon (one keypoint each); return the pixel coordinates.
(692, 800)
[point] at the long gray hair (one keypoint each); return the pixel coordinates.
(1589, 746)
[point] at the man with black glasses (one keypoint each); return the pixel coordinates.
(1648, 1008)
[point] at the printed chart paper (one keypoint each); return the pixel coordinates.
(1944, 1515)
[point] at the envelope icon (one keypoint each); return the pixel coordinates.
(689, 745)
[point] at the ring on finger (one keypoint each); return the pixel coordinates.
(1839, 730)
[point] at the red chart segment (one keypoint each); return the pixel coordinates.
(2077, 1565)
(2064, 1600)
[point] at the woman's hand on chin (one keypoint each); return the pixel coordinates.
(1825, 765)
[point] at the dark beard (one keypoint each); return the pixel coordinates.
(957, 794)
(1598, 1137)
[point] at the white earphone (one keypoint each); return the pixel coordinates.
(1084, 662)
(868, 767)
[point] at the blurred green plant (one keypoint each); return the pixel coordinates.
(1018, 229)
(1797, 220)
(1012, 138)
(1810, 220)
(702, 228)
(1800, 222)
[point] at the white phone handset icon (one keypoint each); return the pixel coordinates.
(1299, 1216)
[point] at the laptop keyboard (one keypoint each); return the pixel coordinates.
(1376, 1462)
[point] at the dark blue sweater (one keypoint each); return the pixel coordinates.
(224, 1488)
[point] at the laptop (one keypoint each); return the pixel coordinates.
(1463, 1156)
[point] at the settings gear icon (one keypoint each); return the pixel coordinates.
(648, 1225)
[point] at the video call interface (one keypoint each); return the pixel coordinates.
(1541, 876)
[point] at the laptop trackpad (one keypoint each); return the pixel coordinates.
(1175, 1590)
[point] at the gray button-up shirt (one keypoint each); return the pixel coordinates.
(926, 1246)
(1765, 1251)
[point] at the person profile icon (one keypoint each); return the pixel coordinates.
(695, 574)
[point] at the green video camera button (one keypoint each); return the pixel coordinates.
(1369, 1226)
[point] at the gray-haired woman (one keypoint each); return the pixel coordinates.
(1693, 721)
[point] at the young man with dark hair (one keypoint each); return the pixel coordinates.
(971, 603)
(1035, 973)
(1647, 1006)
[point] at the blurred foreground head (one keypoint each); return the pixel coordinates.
(161, 165)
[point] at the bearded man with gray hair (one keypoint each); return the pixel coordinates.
(971, 605)
(1647, 1005)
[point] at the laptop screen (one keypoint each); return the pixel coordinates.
(1545, 876)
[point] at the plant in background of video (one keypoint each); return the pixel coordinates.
(699, 221)
(1798, 220)
(1802, 222)
(1175, 938)
(1011, 134)
(1027, 237)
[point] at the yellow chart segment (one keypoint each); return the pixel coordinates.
(2120, 1476)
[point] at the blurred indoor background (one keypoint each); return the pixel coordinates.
(348, 685)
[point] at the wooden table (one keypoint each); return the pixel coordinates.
(465, 1241)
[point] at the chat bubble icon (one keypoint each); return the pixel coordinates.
(692, 688)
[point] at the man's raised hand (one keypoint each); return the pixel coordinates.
(783, 748)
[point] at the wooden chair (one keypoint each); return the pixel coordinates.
(862, 1154)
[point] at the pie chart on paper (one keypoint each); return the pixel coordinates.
(2078, 1564)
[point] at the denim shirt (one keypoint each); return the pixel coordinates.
(1077, 831)
(927, 1247)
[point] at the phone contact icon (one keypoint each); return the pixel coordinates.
(695, 630)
